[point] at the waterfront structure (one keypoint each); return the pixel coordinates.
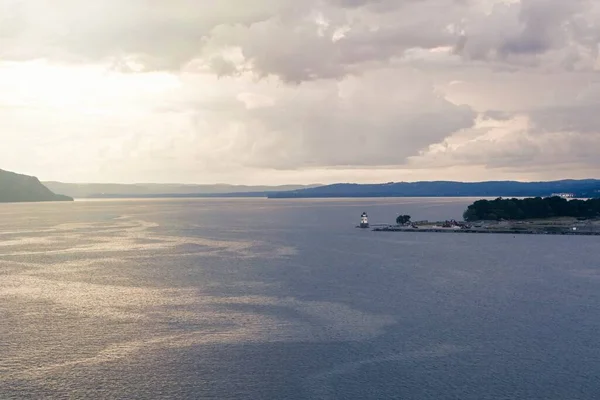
(364, 221)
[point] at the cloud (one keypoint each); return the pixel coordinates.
(516, 144)
(300, 41)
(198, 90)
(577, 113)
(168, 34)
(380, 119)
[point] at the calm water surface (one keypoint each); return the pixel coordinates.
(285, 299)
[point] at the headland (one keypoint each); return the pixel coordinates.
(534, 216)
(17, 188)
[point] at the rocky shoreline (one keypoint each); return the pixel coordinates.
(560, 231)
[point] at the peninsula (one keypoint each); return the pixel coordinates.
(15, 188)
(550, 215)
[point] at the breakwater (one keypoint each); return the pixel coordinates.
(488, 231)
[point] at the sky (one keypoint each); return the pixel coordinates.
(289, 91)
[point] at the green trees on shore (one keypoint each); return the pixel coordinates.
(531, 208)
(403, 219)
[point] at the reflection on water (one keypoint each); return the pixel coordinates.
(285, 299)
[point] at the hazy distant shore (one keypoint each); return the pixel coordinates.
(570, 188)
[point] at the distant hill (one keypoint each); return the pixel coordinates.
(583, 188)
(150, 190)
(180, 195)
(23, 188)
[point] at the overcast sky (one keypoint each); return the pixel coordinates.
(299, 91)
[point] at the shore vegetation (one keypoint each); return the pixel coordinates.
(532, 208)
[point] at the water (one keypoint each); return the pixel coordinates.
(285, 299)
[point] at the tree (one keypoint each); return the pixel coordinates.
(403, 219)
(470, 214)
(531, 208)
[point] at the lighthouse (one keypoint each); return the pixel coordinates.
(364, 220)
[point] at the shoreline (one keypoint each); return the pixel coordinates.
(488, 231)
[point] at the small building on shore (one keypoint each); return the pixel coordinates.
(563, 195)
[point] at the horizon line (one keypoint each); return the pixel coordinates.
(317, 184)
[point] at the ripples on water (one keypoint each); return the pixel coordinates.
(285, 299)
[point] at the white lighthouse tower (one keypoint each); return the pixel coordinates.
(364, 220)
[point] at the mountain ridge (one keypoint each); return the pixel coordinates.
(153, 190)
(581, 187)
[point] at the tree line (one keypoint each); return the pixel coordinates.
(403, 219)
(532, 208)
